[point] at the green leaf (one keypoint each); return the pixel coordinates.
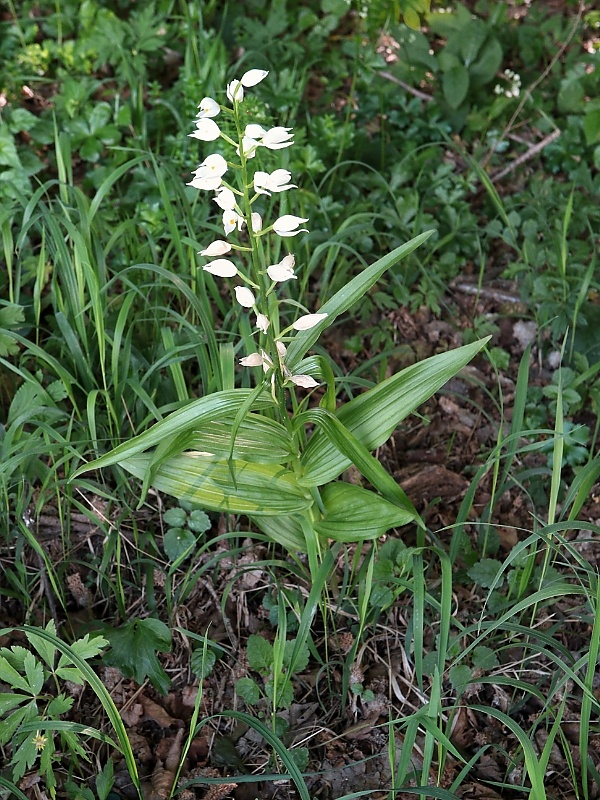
(219, 405)
(89, 646)
(134, 647)
(202, 663)
(455, 85)
(175, 517)
(178, 541)
(284, 530)
(34, 673)
(459, 676)
(10, 701)
(248, 690)
(257, 439)
(260, 654)
(59, 705)
(9, 675)
(46, 650)
(347, 296)
(105, 780)
(355, 514)
(484, 572)
(15, 720)
(484, 658)
(24, 758)
(259, 489)
(285, 693)
(373, 416)
(591, 126)
(199, 521)
(302, 656)
(487, 65)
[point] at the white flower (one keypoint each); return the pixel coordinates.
(244, 296)
(254, 131)
(304, 381)
(308, 321)
(206, 130)
(256, 221)
(283, 271)
(208, 108)
(276, 138)
(235, 91)
(265, 183)
(288, 225)
(222, 267)
(231, 220)
(252, 77)
(262, 322)
(281, 349)
(253, 360)
(225, 199)
(248, 146)
(209, 173)
(217, 248)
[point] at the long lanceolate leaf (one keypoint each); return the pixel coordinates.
(346, 297)
(373, 416)
(220, 405)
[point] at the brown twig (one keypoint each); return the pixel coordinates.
(530, 153)
(410, 89)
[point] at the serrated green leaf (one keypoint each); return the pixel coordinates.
(34, 672)
(259, 489)
(45, 650)
(347, 296)
(10, 701)
(373, 416)
(355, 514)
(285, 693)
(134, 647)
(302, 656)
(260, 654)
(89, 646)
(217, 406)
(202, 663)
(484, 573)
(248, 690)
(9, 675)
(24, 758)
(59, 705)
(199, 521)
(484, 658)
(175, 518)
(459, 676)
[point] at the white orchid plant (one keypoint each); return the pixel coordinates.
(265, 452)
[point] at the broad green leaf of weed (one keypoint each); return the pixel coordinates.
(178, 541)
(459, 676)
(484, 573)
(175, 517)
(15, 720)
(11, 317)
(134, 648)
(24, 758)
(202, 663)
(302, 656)
(199, 521)
(105, 780)
(248, 690)
(85, 648)
(260, 654)
(484, 658)
(285, 693)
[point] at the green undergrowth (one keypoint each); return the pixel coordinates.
(405, 118)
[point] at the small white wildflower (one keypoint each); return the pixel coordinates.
(281, 349)
(216, 248)
(244, 296)
(206, 130)
(231, 220)
(277, 181)
(308, 321)
(262, 322)
(284, 271)
(498, 89)
(287, 225)
(252, 77)
(303, 381)
(253, 360)
(209, 174)
(276, 138)
(221, 267)
(208, 108)
(254, 131)
(249, 146)
(235, 91)
(225, 199)
(256, 221)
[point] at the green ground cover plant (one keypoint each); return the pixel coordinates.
(437, 639)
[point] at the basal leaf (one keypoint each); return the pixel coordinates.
(259, 489)
(134, 647)
(284, 530)
(354, 514)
